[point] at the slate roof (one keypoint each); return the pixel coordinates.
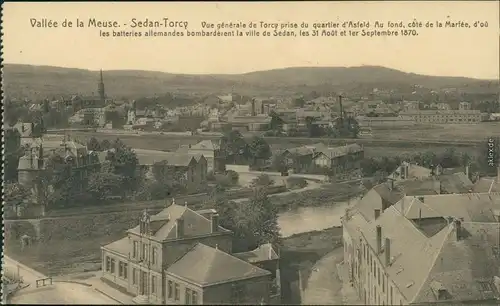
(414, 172)
(386, 196)
(121, 246)
(264, 252)
(419, 264)
(206, 145)
(473, 207)
(165, 226)
(205, 266)
(150, 157)
(455, 183)
(486, 185)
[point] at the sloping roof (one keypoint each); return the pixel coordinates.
(264, 252)
(367, 205)
(486, 185)
(412, 253)
(472, 207)
(206, 145)
(414, 171)
(386, 193)
(427, 186)
(207, 266)
(121, 246)
(465, 267)
(455, 183)
(419, 264)
(150, 157)
(166, 227)
(332, 152)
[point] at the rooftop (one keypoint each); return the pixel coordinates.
(164, 225)
(205, 266)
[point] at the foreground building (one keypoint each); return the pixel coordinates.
(426, 250)
(180, 256)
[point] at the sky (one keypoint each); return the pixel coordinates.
(470, 52)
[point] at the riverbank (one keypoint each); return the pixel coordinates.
(299, 254)
(72, 244)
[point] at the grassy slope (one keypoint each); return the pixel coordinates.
(44, 81)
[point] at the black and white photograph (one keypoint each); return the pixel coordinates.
(251, 153)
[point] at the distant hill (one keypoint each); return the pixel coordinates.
(45, 82)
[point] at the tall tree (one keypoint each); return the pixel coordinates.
(124, 162)
(13, 152)
(259, 151)
(234, 147)
(93, 144)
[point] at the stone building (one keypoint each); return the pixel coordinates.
(38, 155)
(425, 250)
(181, 256)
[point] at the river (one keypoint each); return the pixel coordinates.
(308, 219)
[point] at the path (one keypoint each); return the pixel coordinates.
(324, 286)
(58, 293)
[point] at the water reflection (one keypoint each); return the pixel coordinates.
(307, 219)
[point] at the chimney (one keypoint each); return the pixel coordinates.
(392, 185)
(179, 228)
(467, 171)
(379, 239)
(387, 251)
(215, 223)
(458, 228)
(253, 108)
(377, 213)
(341, 109)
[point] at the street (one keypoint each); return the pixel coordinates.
(58, 293)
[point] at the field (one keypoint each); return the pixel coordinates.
(372, 149)
(458, 132)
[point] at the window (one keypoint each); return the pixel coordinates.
(112, 268)
(135, 250)
(153, 284)
(134, 280)
(108, 264)
(194, 298)
(144, 251)
(177, 292)
(125, 270)
(154, 256)
(170, 289)
(120, 269)
(191, 297)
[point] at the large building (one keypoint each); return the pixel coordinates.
(39, 154)
(181, 256)
(440, 249)
(190, 169)
(444, 116)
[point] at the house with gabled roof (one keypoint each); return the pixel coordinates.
(181, 256)
(190, 168)
(441, 249)
(211, 150)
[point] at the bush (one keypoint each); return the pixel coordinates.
(223, 180)
(233, 176)
(211, 176)
(296, 182)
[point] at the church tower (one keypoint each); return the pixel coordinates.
(100, 88)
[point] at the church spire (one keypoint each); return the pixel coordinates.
(100, 87)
